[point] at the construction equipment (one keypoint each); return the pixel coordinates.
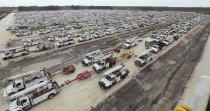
(125, 56)
(183, 108)
(24, 83)
(69, 69)
(15, 52)
(113, 76)
(92, 57)
(143, 58)
(81, 76)
(130, 43)
(43, 92)
(104, 63)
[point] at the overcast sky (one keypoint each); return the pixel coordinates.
(173, 3)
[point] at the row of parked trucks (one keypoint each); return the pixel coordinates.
(14, 52)
(31, 88)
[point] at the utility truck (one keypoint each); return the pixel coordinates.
(43, 47)
(32, 42)
(65, 41)
(104, 63)
(149, 43)
(155, 48)
(14, 52)
(92, 57)
(143, 58)
(84, 38)
(39, 86)
(130, 43)
(24, 83)
(43, 92)
(112, 76)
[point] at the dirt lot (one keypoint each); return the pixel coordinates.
(54, 60)
(160, 85)
(148, 91)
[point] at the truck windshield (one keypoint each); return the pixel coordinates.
(99, 63)
(18, 102)
(155, 46)
(14, 85)
(7, 53)
(142, 57)
(88, 58)
(109, 78)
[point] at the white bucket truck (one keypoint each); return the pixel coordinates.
(113, 76)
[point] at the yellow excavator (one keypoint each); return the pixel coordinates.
(183, 108)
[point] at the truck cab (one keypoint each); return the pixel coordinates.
(87, 60)
(16, 86)
(130, 43)
(25, 102)
(155, 48)
(143, 58)
(92, 57)
(7, 55)
(21, 84)
(99, 66)
(20, 104)
(103, 64)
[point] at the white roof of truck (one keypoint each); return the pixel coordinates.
(113, 69)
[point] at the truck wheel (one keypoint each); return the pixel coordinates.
(51, 96)
(26, 108)
(124, 76)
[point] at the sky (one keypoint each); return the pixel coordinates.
(170, 3)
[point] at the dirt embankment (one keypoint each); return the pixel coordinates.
(160, 85)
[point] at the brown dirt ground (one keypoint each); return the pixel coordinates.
(166, 78)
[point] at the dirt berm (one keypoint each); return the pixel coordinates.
(159, 86)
